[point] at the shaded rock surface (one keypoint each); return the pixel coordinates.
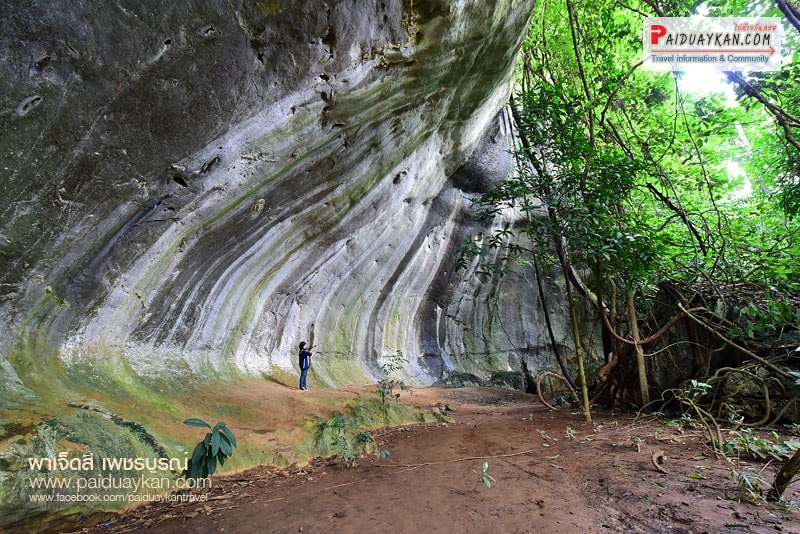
(200, 186)
(189, 189)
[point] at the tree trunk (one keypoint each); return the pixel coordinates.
(784, 476)
(576, 335)
(608, 339)
(561, 364)
(644, 390)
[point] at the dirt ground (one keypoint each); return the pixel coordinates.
(554, 473)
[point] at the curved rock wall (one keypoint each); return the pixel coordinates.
(191, 188)
(195, 187)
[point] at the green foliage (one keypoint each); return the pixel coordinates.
(388, 383)
(216, 447)
(750, 485)
(633, 178)
(696, 389)
(753, 444)
(342, 438)
(773, 313)
(508, 379)
(457, 379)
(345, 436)
(638, 179)
(484, 476)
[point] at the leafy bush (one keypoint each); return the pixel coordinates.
(341, 437)
(508, 379)
(457, 379)
(747, 442)
(216, 447)
(771, 314)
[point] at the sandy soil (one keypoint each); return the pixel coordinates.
(554, 473)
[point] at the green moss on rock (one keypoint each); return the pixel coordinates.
(508, 380)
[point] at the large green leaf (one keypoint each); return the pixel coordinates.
(229, 435)
(198, 454)
(196, 422)
(215, 438)
(225, 446)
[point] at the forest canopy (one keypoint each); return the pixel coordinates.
(653, 177)
(644, 186)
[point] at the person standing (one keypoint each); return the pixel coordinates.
(305, 363)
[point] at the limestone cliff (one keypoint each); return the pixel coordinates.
(204, 184)
(191, 188)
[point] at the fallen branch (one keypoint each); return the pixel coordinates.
(410, 467)
(658, 458)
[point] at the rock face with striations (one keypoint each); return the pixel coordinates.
(191, 188)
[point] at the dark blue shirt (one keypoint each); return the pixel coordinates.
(305, 359)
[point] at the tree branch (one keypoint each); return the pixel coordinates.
(680, 213)
(791, 12)
(785, 119)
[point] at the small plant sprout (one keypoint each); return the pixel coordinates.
(749, 485)
(216, 447)
(698, 389)
(388, 383)
(484, 475)
(788, 509)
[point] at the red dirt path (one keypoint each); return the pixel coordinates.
(599, 480)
